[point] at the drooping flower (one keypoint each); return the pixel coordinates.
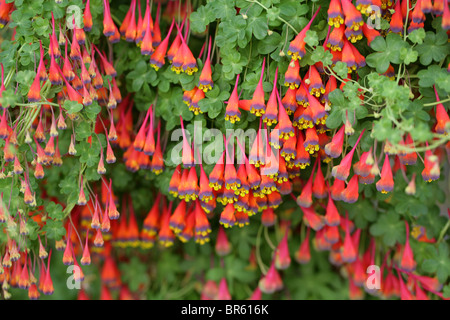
(297, 46)
(147, 39)
(157, 58)
(109, 28)
(271, 113)
(407, 262)
(351, 193)
(232, 112)
(205, 80)
(353, 18)
(386, 183)
(223, 245)
(335, 14)
(431, 169)
(272, 281)
(342, 170)
(292, 76)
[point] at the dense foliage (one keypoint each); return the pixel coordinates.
(349, 167)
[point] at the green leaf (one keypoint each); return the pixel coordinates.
(270, 44)
(388, 51)
(200, 18)
(434, 48)
(72, 106)
(390, 228)
(54, 229)
(341, 69)
(311, 38)
(427, 77)
(408, 55)
(417, 36)
(439, 262)
(55, 211)
(82, 131)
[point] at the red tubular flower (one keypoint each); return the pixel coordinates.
(301, 96)
(195, 107)
(157, 165)
(405, 294)
(271, 113)
(353, 18)
(335, 14)
(232, 112)
(157, 58)
(34, 94)
(224, 293)
(312, 219)
(166, 236)
(316, 87)
(175, 46)
(286, 130)
(144, 23)
(5, 13)
(268, 217)
(147, 40)
(348, 56)
(362, 168)
(282, 258)
(370, 33)
(126, 21)
(334, 148)
(289, 101)
(417, 14)
(386, 183)
(109, 28)
(396, 24)
(216, 176)
(151, 221)
(297, 46)
(139, 140)
(319, 189)
(184, 60)
(311, 143)
(205, 80)
(292, 76)
(351, 193)
(331, 234)
(227, 217)
(445, 15)
(336, 39)
(407, 262)
(359, 58)
(303, 254)
(305, 198)
(108, 67)
(223, 246)
(54, 46)
(177, 220)
(241, 218)
(303, 158)
(47, 286)
(188, 232)
(87, 17)
(257, 156)
(349, 251)
(442, 119)
(431, 171)
(131, 28)
(149, 146)
(342, 170)
(271, 282)
(192, 188)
